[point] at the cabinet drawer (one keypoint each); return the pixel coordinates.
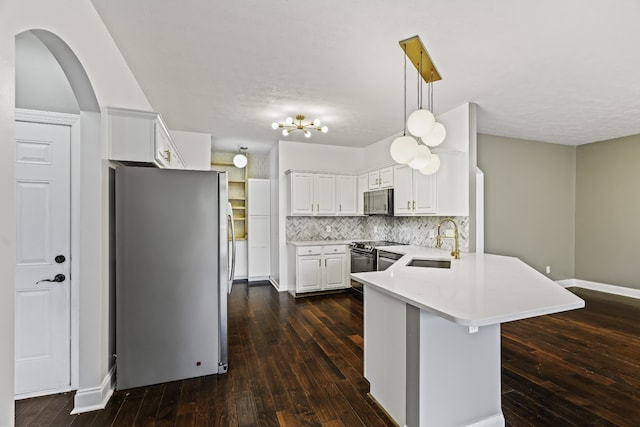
(335, 249)
(309, 250)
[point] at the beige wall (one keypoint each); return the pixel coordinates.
(608, 208)
(530, 202)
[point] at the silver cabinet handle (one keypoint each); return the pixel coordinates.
(319, 263)
(408, 204)
(414, 205)
(325, 262)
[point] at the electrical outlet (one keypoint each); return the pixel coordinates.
(432, 234)
(328, 229)
(375, 228)
(449, 233)
(548, 269)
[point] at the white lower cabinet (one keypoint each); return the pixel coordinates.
(321, 268)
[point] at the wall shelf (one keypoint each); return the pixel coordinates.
(237, 179)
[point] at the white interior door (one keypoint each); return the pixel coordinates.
(43, 221)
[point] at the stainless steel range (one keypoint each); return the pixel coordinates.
(364, 257)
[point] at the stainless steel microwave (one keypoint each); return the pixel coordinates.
(379, 202)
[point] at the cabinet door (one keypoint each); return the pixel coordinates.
(162, 146)
(363, 185)
(259, 246)
(308, 277)
(325, 194)
(334, 271)
(402, 191)
(386, 177)
(374, 180)
(259, 196)
(346, 195)
(302, 186)
(424, 193)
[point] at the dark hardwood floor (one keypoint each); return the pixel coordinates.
(299, 363)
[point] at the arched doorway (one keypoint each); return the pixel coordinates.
(63, 75)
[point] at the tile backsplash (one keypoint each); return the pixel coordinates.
(411, 230)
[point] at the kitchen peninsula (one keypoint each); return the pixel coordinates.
(432, 335)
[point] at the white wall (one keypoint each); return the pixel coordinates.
(275, 215)
(312, 157)
(194, 147)
(40, 82)
(460, 124)
(78, 24)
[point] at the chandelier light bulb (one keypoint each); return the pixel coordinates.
(275, 125)
(307, 134)
(436, 136)
(420, 122)
(403, 149)
(316, 122)
(324, 129)
(432, 166)
(422, 158)
(289, 121)
(286, 132)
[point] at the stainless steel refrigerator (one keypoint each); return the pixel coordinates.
(173, 274)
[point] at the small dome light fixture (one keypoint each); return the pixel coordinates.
(240, 159)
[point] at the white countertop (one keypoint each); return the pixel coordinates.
(321, 242)
(478, 289)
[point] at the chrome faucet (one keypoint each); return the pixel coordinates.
(456, 252)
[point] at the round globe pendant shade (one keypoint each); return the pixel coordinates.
(436, 136)
(420, 122)
(422, 159)
(240, 160)
(432, 165)
(403, 149)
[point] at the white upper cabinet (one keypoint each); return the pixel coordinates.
(325, 194)
(312, 194)
(346, 191)
(414, 193)
(259, 195)
(141, 136)
(381, 178)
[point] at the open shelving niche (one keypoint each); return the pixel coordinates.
(237, 196)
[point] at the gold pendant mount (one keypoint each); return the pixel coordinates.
(413, 48)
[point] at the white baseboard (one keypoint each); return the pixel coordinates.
(275, 283)
(495, 421)
(601, 287)
(94, 398)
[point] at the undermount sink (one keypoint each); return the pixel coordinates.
(431, 263)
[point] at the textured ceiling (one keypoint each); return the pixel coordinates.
(562, 71)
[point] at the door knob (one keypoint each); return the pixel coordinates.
(60, 259)
(57, 279)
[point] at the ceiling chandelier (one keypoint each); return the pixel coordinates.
(421, 123)
(289, 126)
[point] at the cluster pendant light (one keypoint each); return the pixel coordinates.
(289, 126)
(421, 123)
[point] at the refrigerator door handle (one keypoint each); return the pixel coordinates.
(232, 271)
